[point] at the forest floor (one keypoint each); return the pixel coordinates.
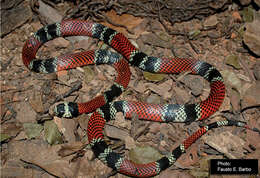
(35, 144)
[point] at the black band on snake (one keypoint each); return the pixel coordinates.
(107, 110)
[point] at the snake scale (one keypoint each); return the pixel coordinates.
(102, 106)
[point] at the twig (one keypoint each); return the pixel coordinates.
(16, 90)
(193, 47)
(74, 88)
(35, 166)
(9, 102)
(12, 115)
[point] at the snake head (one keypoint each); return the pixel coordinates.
(65, 109)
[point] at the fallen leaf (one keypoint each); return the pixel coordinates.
(193, 34)
(169, 173)
(153, 77)
(38, 153)
(235, 100)
(129, 142)
(233, 60)
(89, 74)
(16, 171)
(10, 129)
(161, 89)
(154, 99)
(195, 83)
(231, 79)
(181, 95)
(144, 154)
(159, 40)
(25, 113)
(32, 130)
(248, 14)
(4, 137)
(36, 101)
(70, 148)
(67, 128)
(51, 133)
(251, 97)
(211, 21)
(190, 157)
(226, 143)
(115, 132)
(126, 19)
(137, 86)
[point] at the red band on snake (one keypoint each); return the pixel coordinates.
(69, 109)
(108, 110)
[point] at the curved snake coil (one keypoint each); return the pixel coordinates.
(107, 111)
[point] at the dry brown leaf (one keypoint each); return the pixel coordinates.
(36, 101)
(92, 169)
(25, 113)
(11, 128)
(190, 157)
(16, 171)
(227, 143)
(39, 153)
(138, 86)
(70, 148)
(115, 132)
(253, 139)
(67, 128)
(127, 20)
(181, 95)
(174, 173)
(235, 100)
(161, 89)
(129, 143)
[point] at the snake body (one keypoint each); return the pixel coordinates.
(70, 109)
(107, 110)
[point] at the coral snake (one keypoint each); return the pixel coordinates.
(102, 106)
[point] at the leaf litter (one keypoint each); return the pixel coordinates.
(59, 149)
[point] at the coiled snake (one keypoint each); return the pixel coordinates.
(103, 107)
